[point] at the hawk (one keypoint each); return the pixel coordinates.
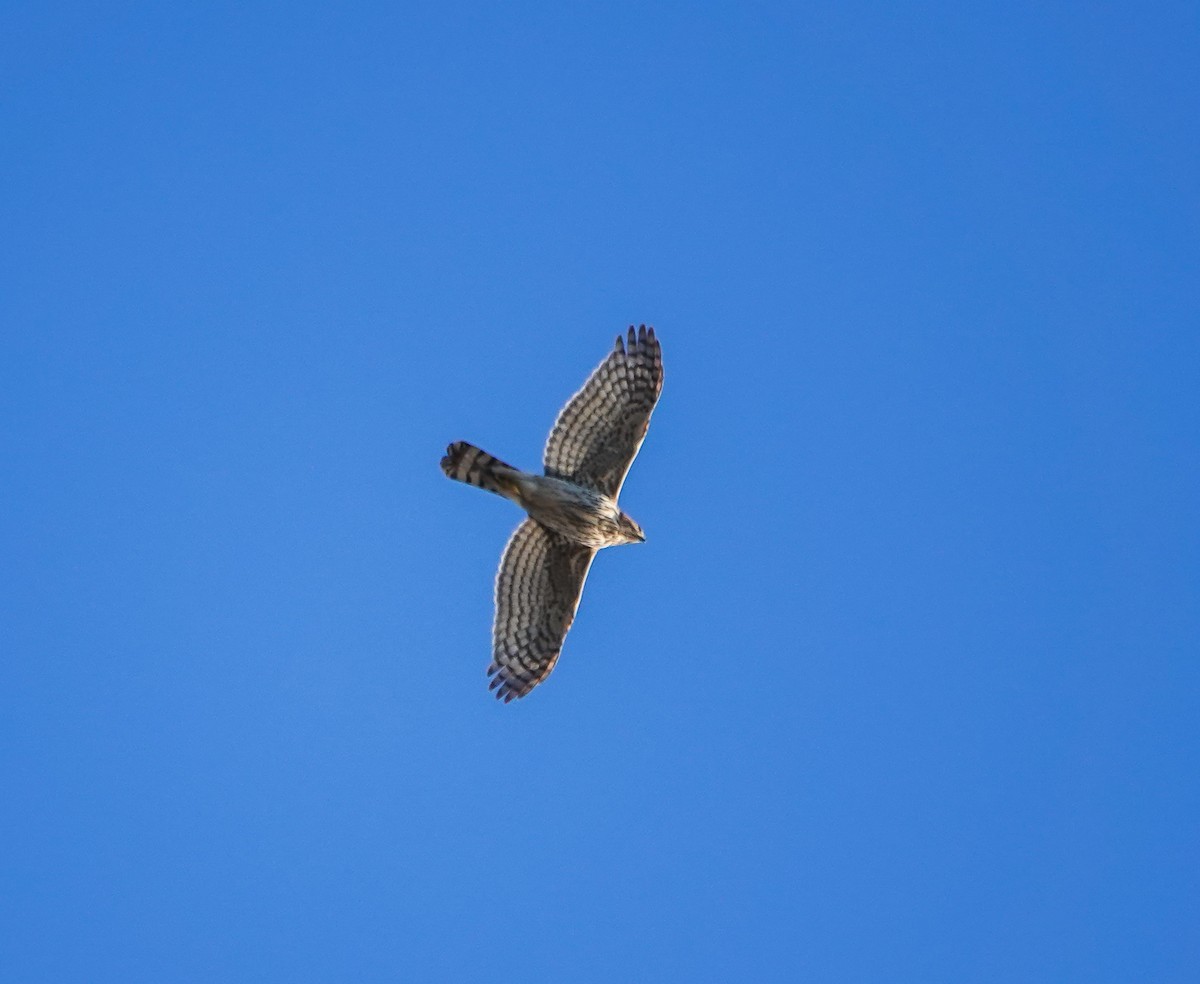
(572, 509)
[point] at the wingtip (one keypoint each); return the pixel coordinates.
(641, 336)
(501, 686)
(505, 693)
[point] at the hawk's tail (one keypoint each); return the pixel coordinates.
(466, 463)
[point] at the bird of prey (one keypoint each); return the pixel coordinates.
(572, 509)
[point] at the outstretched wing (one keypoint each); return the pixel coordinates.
(599, 432)
(537, 591)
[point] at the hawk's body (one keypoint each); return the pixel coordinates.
(572, 508)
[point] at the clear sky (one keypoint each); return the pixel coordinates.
(904, 685)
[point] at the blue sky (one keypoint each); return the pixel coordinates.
(903, 685)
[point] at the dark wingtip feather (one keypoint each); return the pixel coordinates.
(504, 687)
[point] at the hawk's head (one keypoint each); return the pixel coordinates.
(630, 529)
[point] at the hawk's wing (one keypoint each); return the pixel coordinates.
(598, 433)
(537, 591)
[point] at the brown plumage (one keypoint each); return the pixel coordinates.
(572, 508)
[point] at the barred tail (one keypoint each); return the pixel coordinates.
(466, 463)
